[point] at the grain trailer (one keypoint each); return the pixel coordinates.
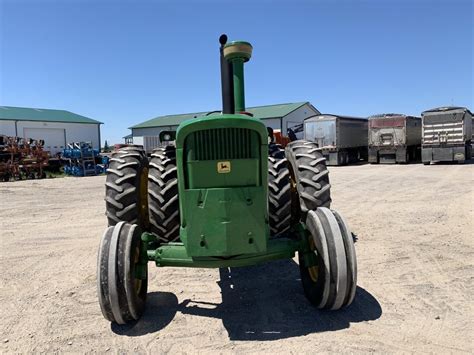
(394, 138)
(447, 134)
(343, 139)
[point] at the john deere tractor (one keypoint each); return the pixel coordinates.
(222, 196)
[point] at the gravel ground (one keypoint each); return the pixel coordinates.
(415, 255)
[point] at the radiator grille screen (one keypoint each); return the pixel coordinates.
(221, 144)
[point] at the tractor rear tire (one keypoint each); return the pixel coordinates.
(310, 176)
(163, 194)
(122, 296)
(279, 191)
(332, 283)
(126, 187)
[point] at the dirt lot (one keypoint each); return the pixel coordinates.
(415, 254)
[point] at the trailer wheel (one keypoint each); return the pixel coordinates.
(126, 187)
(122, 294)
(331, 284)
(309, 176)
(279, 191)
(163, 194)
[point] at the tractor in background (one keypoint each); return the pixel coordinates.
(222, 196)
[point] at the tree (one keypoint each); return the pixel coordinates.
(106, 147)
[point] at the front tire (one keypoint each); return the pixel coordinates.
(122, 294)
(330, 281)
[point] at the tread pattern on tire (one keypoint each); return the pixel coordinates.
(279, 191)
(337, 259)
(336, 285)
(102, 275)
(163, 194)
(122, 186)
(351, 258)
(115, 275)
(311, 175)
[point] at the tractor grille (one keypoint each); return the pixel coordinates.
(221, 144)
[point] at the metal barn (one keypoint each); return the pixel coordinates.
(55, 127)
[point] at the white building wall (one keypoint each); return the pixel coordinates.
(151, 131)
(7, 128)
(73, 132)
(274, 123)
(298, 116)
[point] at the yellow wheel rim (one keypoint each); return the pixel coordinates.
(313, 270)
(313, 273)
(136, 259)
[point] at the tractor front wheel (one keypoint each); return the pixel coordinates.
(329, 269)
(121, 274)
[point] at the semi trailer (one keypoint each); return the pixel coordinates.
(447, 134)
(343, 139)
(394, 138)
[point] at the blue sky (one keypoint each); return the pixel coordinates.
(123, 62)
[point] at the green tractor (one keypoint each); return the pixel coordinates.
(222, 196)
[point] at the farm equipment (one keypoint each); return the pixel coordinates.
(22, 158)
(80, 159)
(222, 196)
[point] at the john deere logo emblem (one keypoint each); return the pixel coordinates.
(223, 167)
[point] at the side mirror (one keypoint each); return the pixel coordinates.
(271, 137)
(167, 136)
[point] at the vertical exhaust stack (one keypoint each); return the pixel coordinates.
(237, 53)
(227, 83)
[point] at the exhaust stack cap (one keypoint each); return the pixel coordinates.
(223, 39)
(238, 49)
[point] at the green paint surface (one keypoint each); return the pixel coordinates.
(223, 213)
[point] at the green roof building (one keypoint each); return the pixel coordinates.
(55, 127)
(279, 117)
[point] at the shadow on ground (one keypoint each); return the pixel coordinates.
(466, 162)
(160, 310)
(263, 302)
